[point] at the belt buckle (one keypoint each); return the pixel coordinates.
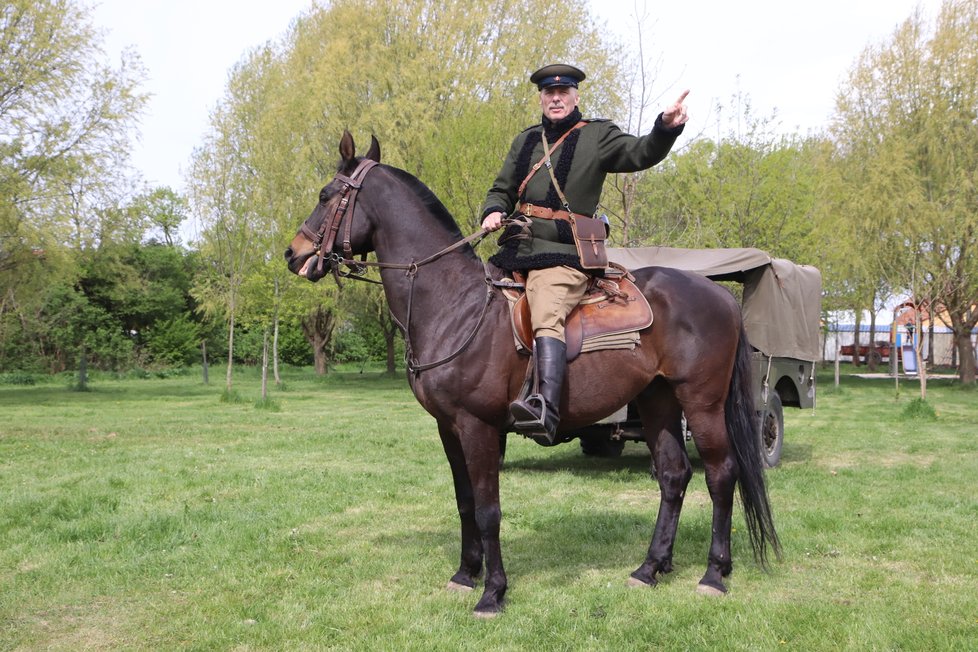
(527, 210)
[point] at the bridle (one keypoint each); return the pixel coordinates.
(324, 240)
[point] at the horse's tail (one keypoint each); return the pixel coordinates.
(742, 426)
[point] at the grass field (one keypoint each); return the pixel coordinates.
(147, 514)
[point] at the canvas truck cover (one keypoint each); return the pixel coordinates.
(782, 301)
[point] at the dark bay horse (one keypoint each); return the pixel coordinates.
(465, 370)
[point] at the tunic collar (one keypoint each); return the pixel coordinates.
(556, 129)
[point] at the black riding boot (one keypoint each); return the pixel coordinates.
(537, 415)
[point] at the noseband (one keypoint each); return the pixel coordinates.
(325, 238)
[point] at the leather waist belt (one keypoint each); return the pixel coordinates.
(544, 213)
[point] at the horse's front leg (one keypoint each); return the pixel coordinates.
(472, 447)
(470, 567)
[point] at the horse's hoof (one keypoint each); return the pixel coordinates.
(706, 589)
(455, 587)
(485, 615)
(635, 583)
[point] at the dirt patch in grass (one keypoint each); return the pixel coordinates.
(694, 498)
(94, 626)
(888, 460)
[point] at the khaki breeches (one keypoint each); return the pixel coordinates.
(552, 293)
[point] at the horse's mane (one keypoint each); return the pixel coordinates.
(430, 201)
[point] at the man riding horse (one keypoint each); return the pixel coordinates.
(551, 211)
(696, 363)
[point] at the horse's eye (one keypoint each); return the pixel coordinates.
(323, 196)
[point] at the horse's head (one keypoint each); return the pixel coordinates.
(324, 233)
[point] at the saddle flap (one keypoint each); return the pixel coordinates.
(620, 309)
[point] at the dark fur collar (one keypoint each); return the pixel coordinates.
(565, 155)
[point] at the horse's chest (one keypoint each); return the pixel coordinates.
(429, 394)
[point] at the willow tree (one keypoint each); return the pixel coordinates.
(906, 120)
(274, 163)
(442, 85)
(66, 115)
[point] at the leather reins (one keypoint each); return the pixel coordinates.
(324, 239)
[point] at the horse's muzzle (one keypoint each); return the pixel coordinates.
(306, 266)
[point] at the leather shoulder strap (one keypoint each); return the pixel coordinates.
(546, 155)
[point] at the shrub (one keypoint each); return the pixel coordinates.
(17, 378)
(174, 341)
(919, 409)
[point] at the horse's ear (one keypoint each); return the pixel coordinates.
(374, 152)
(347, 148)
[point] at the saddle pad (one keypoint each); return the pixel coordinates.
(600, 321)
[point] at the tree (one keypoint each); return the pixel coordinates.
(443, 105)
(640, 67)
(365, 303)
(906, 121)
(228, 237)
(749, 188)
(163, 210)
(318, 327)
(65, 121)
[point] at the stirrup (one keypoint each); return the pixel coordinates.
(527, 420)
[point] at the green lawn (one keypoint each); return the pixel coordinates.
(147, 514)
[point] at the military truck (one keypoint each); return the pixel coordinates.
(781, 303)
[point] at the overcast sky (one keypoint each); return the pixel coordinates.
(787, 56)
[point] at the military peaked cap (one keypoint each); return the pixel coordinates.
(557, 74)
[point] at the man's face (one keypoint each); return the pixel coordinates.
(557, 102)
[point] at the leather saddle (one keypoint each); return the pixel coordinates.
(610, 308)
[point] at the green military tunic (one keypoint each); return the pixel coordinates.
(581, 164)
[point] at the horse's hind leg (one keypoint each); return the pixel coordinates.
(661, 420)
(710, 436)
(470, 567)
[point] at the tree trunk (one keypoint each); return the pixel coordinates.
(83, 370)
(318, 326)
(918, 351)
(630, 184)
(930, 341)
(871, 357)
(966, 358)
(319, 356)
(264, 365)
(389, 328)
(961, 328)
(203, 354)
(390, 339)
(278, 378)
(227, 376)
(856, 360)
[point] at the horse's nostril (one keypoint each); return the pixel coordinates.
(288, 253)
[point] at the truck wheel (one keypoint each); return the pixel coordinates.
(772, 431)
(601, 445)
